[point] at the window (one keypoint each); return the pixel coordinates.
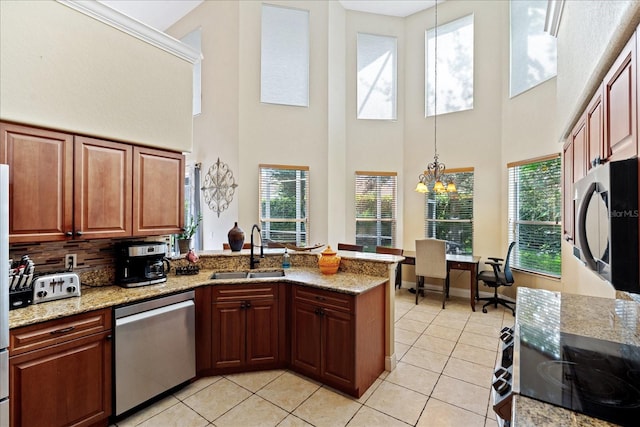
(284, 203)
(454, 83)
(449, 216)
(377, 71)
(194, 39)
(533, 52)
(535, 210)
(375, 209)
(284, 73)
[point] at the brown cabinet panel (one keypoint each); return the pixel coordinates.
(102, 182)
(620, 98)
(579, 141)
(40, 182)
(262, 332)
(158, 188)
(338, 347)
(245, 327)
(228, 335)
(305, 338)
(60, 372)
(595, 130)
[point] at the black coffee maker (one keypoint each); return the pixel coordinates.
(141, 263)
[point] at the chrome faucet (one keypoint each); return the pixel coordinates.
(252, 260)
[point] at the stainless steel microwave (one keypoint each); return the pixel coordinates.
(607, 223)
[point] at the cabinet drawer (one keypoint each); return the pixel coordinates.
(460, 266)
(41, 335)
(336, 300)
(238, 292)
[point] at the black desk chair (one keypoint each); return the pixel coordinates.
(496, 278)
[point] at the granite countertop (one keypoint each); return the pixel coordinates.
(552, 312)
(94, 298)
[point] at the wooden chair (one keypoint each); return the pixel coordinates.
(393, 251)
(244, 246)
(350, 247)
(431, 261)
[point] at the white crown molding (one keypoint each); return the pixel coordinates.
(134, 28)
(554, 15)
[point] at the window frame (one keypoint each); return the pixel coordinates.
(379, 219)
(431, 223)
(514, 221)
(302, 223)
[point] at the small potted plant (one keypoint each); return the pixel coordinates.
(184, 239)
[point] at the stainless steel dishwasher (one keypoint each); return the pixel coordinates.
(154, 348)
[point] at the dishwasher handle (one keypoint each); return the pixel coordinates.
(155, 312)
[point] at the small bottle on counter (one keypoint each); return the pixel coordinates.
(286, 259)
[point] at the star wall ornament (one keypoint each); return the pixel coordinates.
(219, 187)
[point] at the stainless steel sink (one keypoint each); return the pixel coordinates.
(247, 275)
(229, 275)
(265, 274)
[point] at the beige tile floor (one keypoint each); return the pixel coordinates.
(443, 378)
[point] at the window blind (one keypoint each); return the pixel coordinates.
(449, 216)
(377, 75)
(376, 195)
(284, 203)
(284, 65)
(535, 211)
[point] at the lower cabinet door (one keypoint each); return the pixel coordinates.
(262, 332)
(338, 338)
(305, 338)
(228, 334)
(66, 384)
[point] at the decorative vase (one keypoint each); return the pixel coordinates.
(184, 245)
(236, 238)
(328, 261)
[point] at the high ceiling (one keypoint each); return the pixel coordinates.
(161, 14)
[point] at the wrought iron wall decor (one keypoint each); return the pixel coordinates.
(219, 187)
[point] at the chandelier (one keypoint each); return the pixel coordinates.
(435, 171)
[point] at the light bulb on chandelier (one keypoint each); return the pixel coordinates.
(435, 171)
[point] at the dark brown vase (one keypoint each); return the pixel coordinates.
(236, 238)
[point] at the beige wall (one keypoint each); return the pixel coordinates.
(63, 70)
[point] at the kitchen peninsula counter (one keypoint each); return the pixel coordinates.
(613, 320)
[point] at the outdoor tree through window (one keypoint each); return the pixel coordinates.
(284, 203)
(535, 210)
(375, 209)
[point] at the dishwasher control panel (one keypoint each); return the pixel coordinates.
(56, 286)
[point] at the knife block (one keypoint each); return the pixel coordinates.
(21, 298)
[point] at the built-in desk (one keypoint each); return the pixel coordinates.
(456, 262)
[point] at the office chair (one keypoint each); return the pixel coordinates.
(350, 247)
(393, 251)
(496, 278)
(431, 261)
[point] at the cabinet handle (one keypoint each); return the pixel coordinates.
(79, 233)
(109, 337)
(69, 234)
(242, 306)
(63, 330)
(248, 304)
(319, 298)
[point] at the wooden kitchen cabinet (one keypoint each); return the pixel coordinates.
(102, 181)
(620, 106)
(60, 372)
(338, 338)
(245, 327)
(568, 206)
(40, 182)
(158, 183)
(594, 120)
(74, 187)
